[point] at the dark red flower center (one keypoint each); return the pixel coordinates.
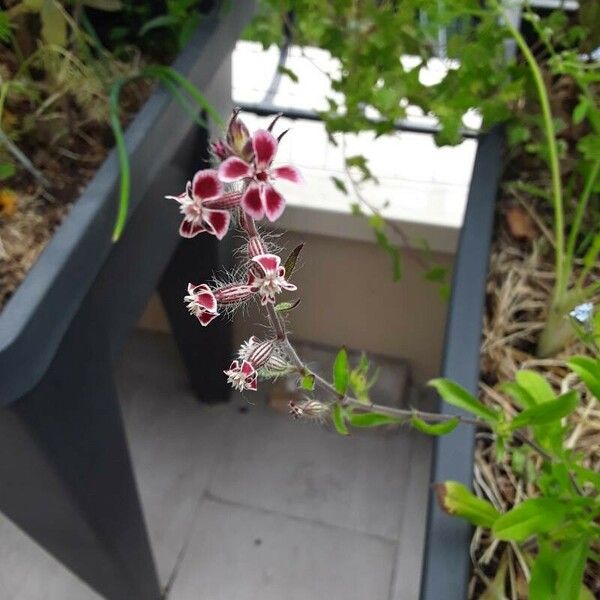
(262, 176)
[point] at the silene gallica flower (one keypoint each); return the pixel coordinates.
(260, 197)
(204, 302)
(253, 356)
(267, 277)
(205, 206)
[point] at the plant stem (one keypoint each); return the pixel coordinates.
(557, 199)
(580, 210)
(345, 399)
(403, 415)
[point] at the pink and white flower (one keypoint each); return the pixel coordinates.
(241, 376)
(204, 302)
(260, 197)
(267, 277)
(254, 354)
(204, 206)
(201, 303)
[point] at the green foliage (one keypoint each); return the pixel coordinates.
(547, 412)
(285, 306)
(181, 19)
(532, 517)
(341, 372)
(290, 262)
(308, 382)
(456, 395)
(434, 428)
(339, 419)
(360, 381)
(69, 64)
(368, 38)
(562, 518)
(588, 369)
(457, 500)
(6, 170)
(172, 81)
(377, 223)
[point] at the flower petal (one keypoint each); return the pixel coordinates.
(247, 368)
(251, 385)
(234, 366)
(206, 300)
(180, 198)
(233, 169)
(206, 185)
(251, 202)
(218, 221)
(265, 147)
(188, 229)
(268, 262)
(273, 202)
(205, 318)
(288, 173)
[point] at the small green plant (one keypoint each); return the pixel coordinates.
(61, 40)
(557, 529)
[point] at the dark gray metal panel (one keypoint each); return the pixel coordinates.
(447, 564)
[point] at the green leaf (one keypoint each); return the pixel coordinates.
(340, 185)
(6, 170)
(532, 517)
(571, 558)
(341, 372)
(290, 261)
(124, 167)
(519, 394)
(543, 575)
(586, 474)
(372, 420)
(546, 413)
(283, 306)
(54, 24)
(158, 23)
(5, 27)
(588, 370)
(308, 382)
(589, 146)
(455, 499)
(581, 110)
(437, 274)
(286, 71)
(434, 428)
(456, 395)
(337, 416)
(356, 210)
(535, 385)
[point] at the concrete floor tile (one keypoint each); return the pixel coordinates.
(238, 553)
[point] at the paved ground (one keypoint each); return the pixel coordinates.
(244, 504)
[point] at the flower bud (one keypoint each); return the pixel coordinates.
(309, 408)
